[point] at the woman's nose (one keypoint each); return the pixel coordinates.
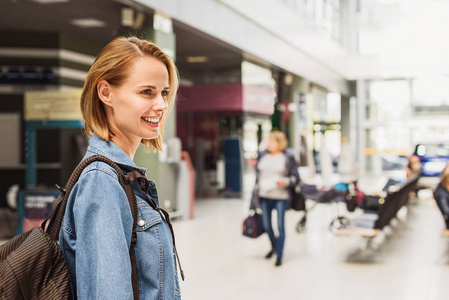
(161, 104)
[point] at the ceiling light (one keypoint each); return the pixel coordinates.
(197, 59)
(49, 1)
(88, 23)
(138, 22)
(127, 16)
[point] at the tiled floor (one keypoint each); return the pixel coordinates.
(410, 264)
(220, 263)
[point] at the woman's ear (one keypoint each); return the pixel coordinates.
(104, 92)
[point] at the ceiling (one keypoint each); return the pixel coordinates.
(397, 38)
(221, 57)
(30, 16)
(26, 15)
(401, 38)
(384, 39)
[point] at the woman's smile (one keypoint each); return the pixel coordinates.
(153, 122)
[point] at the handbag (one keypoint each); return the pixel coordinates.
(351, 203)
(253, 226)
(298, 199)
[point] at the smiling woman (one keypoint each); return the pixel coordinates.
(135, 108)
(127, 96)
(133, 64)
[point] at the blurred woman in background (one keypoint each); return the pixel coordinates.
(276, 174)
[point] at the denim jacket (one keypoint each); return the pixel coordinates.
(96, 234)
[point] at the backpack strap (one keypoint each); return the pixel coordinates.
(144, 185)
(59, 205)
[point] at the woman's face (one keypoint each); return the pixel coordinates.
(137, 106)
(273, 145)
(415, 162)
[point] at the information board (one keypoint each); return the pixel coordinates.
(53, 105)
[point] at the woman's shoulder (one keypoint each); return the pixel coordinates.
(100, 168)
(99, 184)
(98, 177)
(289, 153)
(261, 154)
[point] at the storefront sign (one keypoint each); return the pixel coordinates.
(257, 99)
(213, 97)
(226, 97)
(53, 105)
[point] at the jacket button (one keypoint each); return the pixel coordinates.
(141, 222)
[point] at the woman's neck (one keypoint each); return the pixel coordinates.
(276, 152)
(128, 146)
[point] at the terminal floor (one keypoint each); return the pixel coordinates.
(412, 263)
(219, 263)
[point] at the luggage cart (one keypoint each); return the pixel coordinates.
(334, 196)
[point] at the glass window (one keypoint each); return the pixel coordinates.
(430, 91)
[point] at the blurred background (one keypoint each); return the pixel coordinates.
(358, 86)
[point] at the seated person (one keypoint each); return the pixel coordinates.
(441, 195)
(414, 167)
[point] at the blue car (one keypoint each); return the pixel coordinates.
(434, 158)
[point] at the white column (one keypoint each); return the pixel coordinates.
(360, 123)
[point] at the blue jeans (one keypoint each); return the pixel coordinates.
(267, 206)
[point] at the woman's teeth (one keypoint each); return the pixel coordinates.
(151, 120)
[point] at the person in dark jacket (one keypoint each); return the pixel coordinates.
(276, 176)
(441, 195)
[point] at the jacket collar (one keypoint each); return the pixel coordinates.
(112, 151)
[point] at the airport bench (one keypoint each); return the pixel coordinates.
(370, 224)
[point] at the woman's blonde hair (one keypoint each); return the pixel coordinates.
(113, 64)
(445, 179)
(280, 138)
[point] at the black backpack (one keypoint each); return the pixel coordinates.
(33, 266)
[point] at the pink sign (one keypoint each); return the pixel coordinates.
(215, 97)
(226, 97)
(258, 99)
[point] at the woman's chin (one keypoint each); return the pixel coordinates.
(151, 137)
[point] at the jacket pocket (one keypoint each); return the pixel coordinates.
(146, 217)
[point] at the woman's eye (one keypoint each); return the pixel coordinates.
(146, 92)
(164, 93)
